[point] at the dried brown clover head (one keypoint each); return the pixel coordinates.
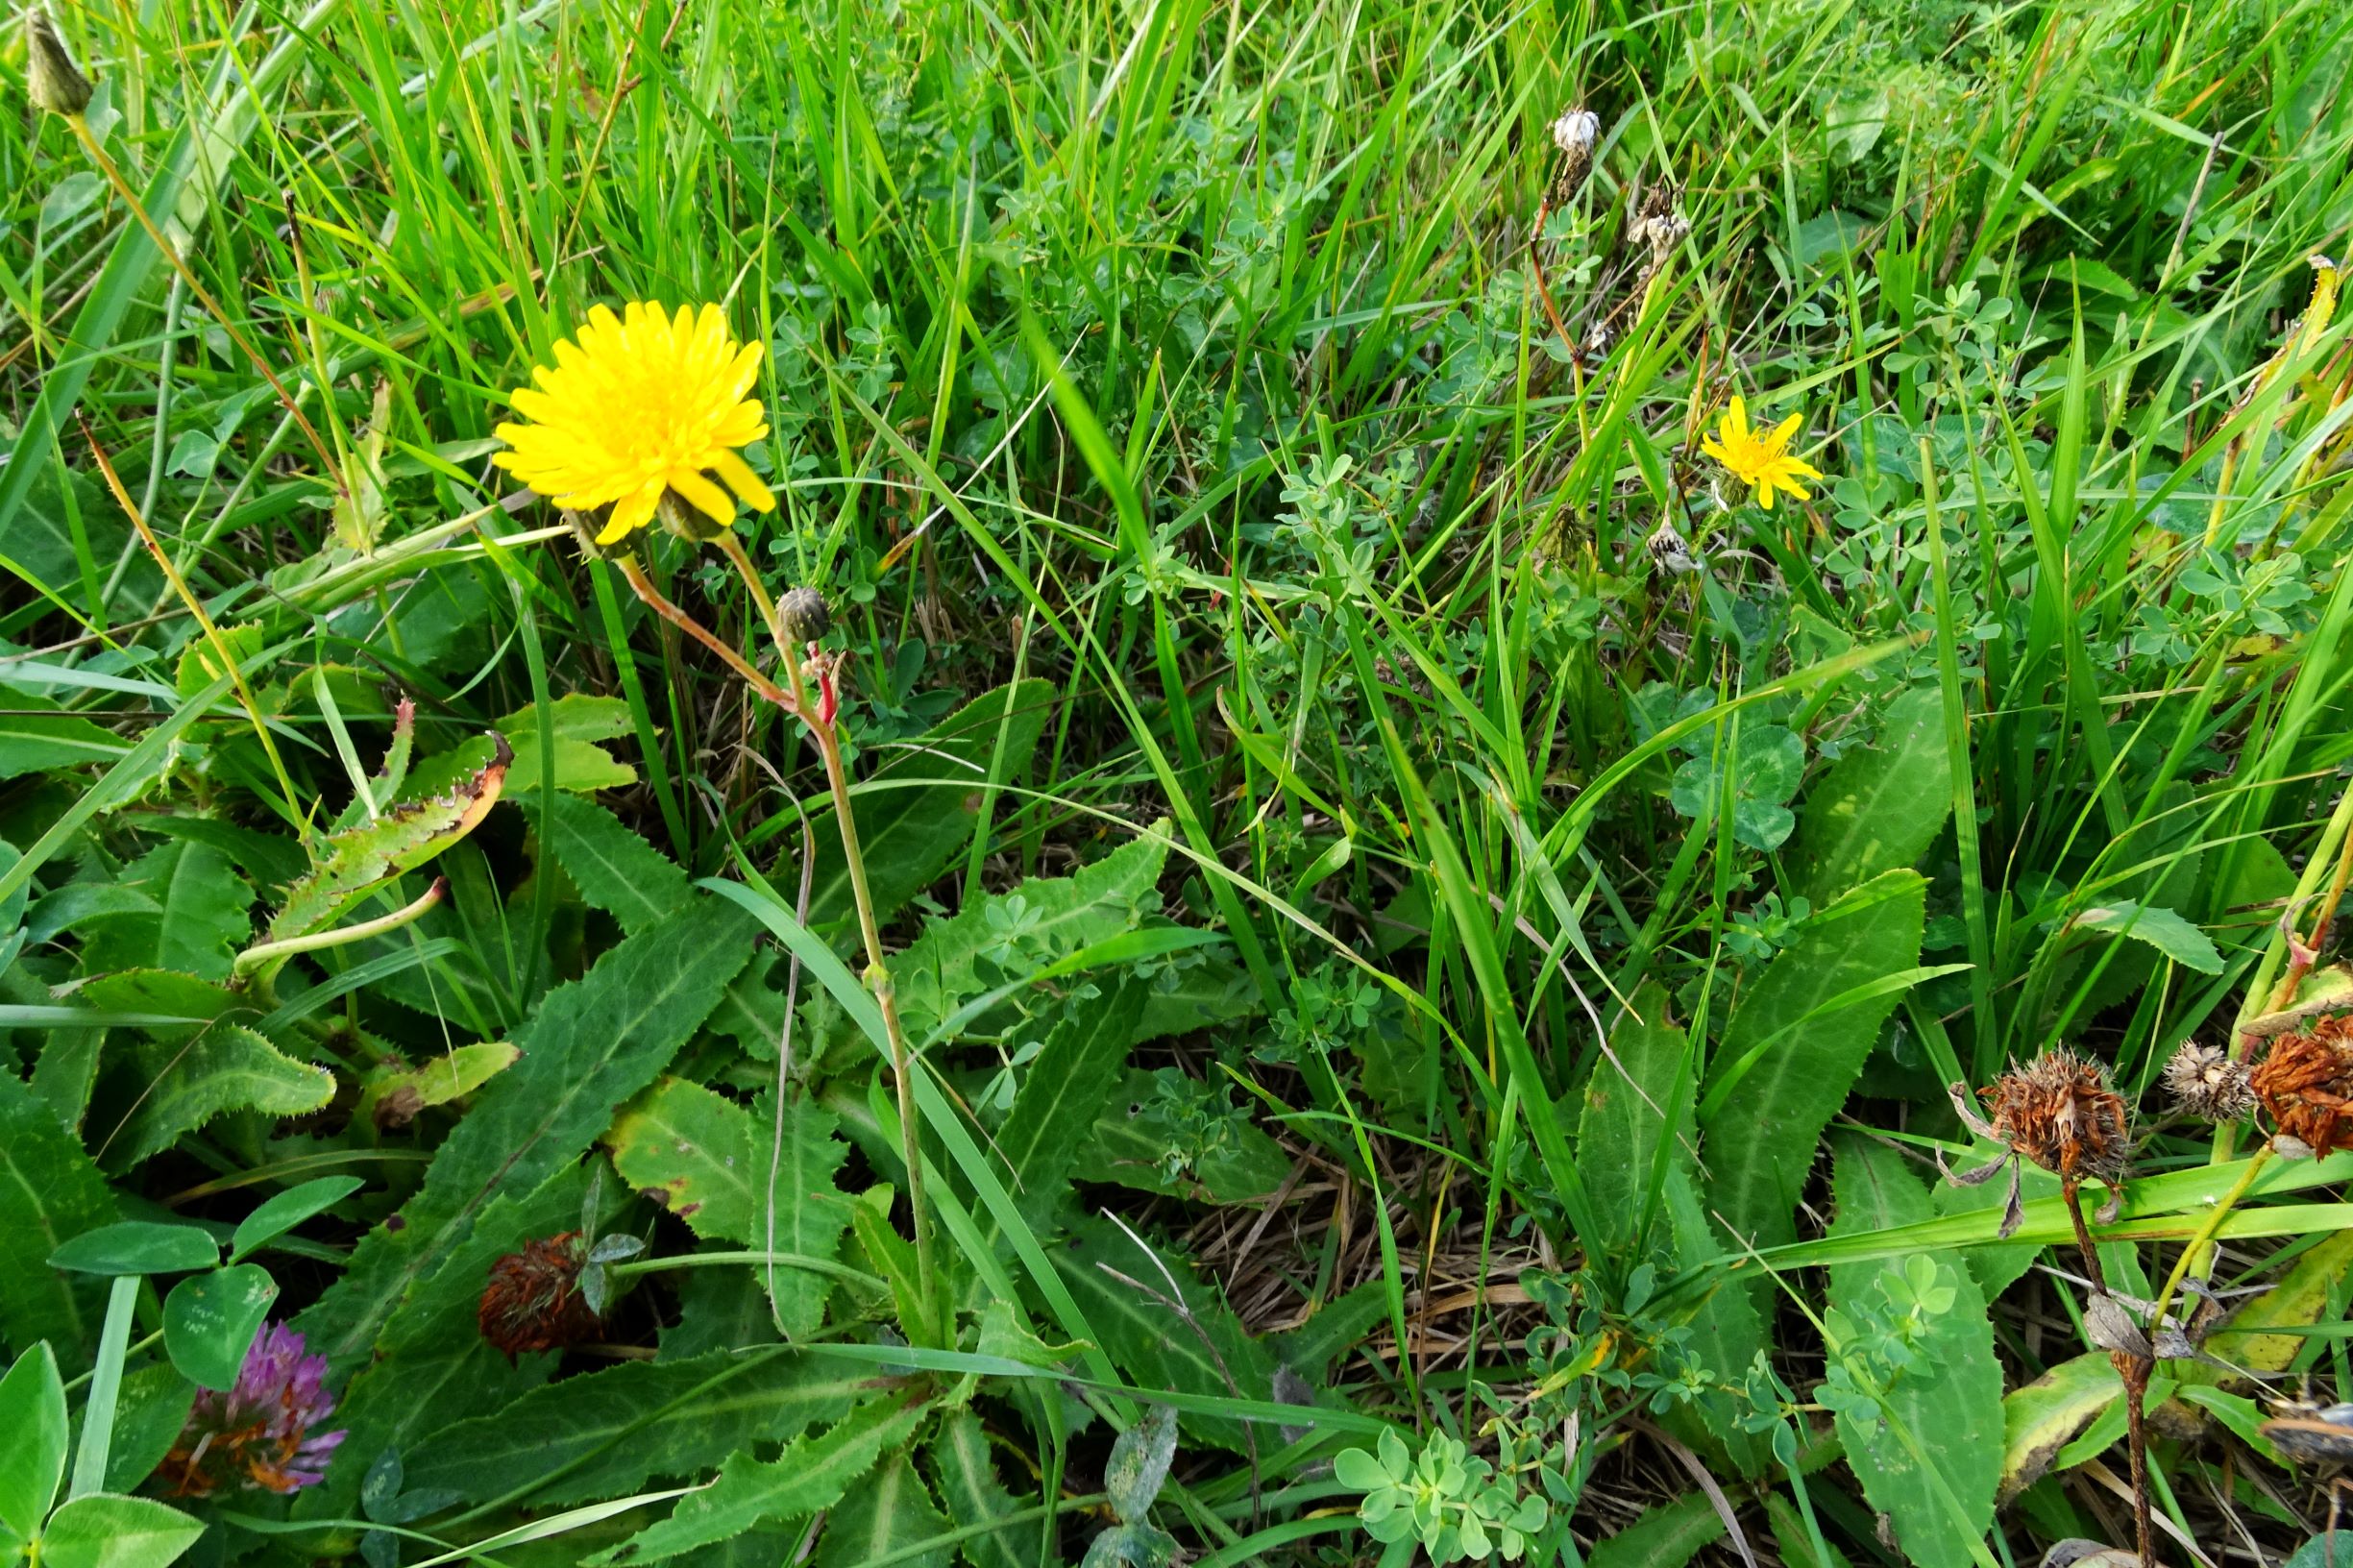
(2305, 1084)
(2060, 1112)
(2205, 1082)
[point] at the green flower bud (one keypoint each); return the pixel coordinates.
(804, 614)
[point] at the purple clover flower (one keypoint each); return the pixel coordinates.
(262, 1433)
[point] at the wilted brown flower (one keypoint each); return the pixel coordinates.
(2205, 1082)
(2059, 1111)
(2305, 1084)
(533, 1299)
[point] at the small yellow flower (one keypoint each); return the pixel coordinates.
(643, 404)
(1760, 459)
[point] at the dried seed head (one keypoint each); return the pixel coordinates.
(51, 80)
(804, 614)
(1576, 131)
(2305, 1084)
(2205, 1082)
(533, 1299)
(2059, 1111)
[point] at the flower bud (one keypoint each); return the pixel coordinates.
(804, 615)
(51, 80)
(2205, 1082)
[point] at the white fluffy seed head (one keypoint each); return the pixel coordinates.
(1575, 132)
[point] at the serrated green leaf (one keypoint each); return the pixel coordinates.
(222, 1067)
(32, 1440)
(1726, 1332)
(811, 1473)
(429, 1366)
(705, 1159)
(199, 664)
(1946, 1404)
(577, 723)
(1879, 807)
(1632, 1092)
(689, 1149)
(1760, 1144)
(965, 1475)
(2299, 1297)
(615, 1431)
(392, 1096)
(103, 1531)
(2163, 930)
(201, 915)
(1150, 1343)
(50, 1192)
(1666, 1535)
(615, 870)
(593, 1042)
(918, 807)
(1043, 920)
(35, 743)
(883, 1516)
(210, 1321)
(357, 861)
(1063, 1092)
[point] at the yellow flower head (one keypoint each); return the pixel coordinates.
(1760, 459)
(643, 404)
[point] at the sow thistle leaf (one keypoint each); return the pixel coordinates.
(965, 1475)
(1760, 1143)
(39, 741)
(811, 1473)
(1627, 1100)
(916, 810)
(1149, 1343)
(355, 862)
(1946, 1402)
(882, 1517)
(594, 1042)
(50, 1192)
(618, 1430)
(2042, 1417)
(216, 1068)
(197, 914)
(615, 870)
(1880, 808)
(392, 1097)
(705, 1159)
(1063, 1093)
(578, 724)
(689, 1150)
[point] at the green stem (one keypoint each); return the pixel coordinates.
(271, 954)
(2206, 1232)
(715, 1259)
(877, 974)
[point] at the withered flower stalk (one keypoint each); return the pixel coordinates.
(2060, 1111)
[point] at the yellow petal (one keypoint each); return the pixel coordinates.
(1736, 419)
(743, 481)
(703, 495)
(631, 512)
(1782, 432)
